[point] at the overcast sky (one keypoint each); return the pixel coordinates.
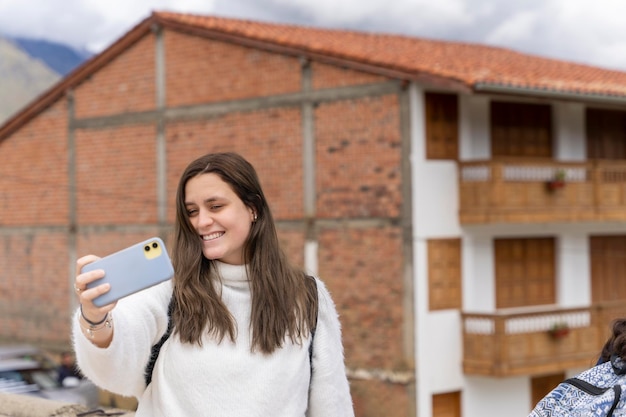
(587, 31)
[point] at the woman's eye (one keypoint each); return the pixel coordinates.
(191, 213)
(216, 206)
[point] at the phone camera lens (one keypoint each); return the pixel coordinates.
(146, 248)
(155, 245)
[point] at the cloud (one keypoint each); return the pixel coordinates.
(399, 16)
(519, 28)
(89, 24)
(119, 16)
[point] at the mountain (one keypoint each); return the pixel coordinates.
(60, 58)
(22, 78)
(29, 67)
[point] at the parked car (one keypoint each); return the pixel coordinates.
(24, 369)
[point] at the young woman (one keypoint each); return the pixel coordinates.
(242, 317)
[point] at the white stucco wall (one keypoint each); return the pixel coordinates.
(478, 274)
(474, 128)
(569, 131)
(496, 397)
(573, 269)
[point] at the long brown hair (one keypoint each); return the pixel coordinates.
(284, 302)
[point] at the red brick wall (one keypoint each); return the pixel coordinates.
(126, 84)
(328, 76)
(292, 242)
(358, 158)
(34, 287)
(361, 270)
(378, 399)
(203, 71)
(34, 204)
(33, 172)
(116, 175)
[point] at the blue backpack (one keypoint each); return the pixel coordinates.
(596, 392)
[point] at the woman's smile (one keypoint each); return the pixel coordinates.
(212, 236)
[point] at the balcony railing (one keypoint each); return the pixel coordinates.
(518, 191)
(509, 343)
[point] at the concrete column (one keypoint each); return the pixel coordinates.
(72, 220)
(161, 151)
(308, 172)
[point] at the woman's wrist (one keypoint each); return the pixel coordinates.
(90, 322)
(93, 327)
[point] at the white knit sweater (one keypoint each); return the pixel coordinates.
(226, 379)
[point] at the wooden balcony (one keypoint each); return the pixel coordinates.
(519, 191)
(510, 343)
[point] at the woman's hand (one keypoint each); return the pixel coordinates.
(101, 334)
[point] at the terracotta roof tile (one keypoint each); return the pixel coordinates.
(471, 64)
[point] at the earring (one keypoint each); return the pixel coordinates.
(254, 216)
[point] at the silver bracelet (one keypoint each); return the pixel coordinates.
(107, 323)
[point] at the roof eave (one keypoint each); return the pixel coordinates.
(568, 95)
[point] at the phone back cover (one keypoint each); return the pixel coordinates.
(131, 270)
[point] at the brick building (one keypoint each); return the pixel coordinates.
(382, 157)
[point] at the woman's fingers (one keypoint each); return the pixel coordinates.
(82, 280)
(81, 262)
(87, 295)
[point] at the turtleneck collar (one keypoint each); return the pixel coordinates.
(232, 275)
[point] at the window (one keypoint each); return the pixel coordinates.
(608, 268)
(521, 129)
(606, 134)
(442, 126)
(444, 274)
(525, 272)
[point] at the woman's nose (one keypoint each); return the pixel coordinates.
(205, 218)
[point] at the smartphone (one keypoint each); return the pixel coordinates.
(130, 270)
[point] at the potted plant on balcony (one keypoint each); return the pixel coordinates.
(559, 330)
(557, 182)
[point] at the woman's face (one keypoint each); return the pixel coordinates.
(220, 218)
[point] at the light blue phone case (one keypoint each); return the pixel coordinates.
(133, 269)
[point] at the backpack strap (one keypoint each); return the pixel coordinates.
(156, 348)
(586, 386)
(617, 391)
(594, 390)
(316, 307)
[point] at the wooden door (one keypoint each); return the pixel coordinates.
(608, 268)
(521, 130)
(447, 405)
(542, 385)
(525, 272)
(442, 126)
(444, 274)
(606, 134)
